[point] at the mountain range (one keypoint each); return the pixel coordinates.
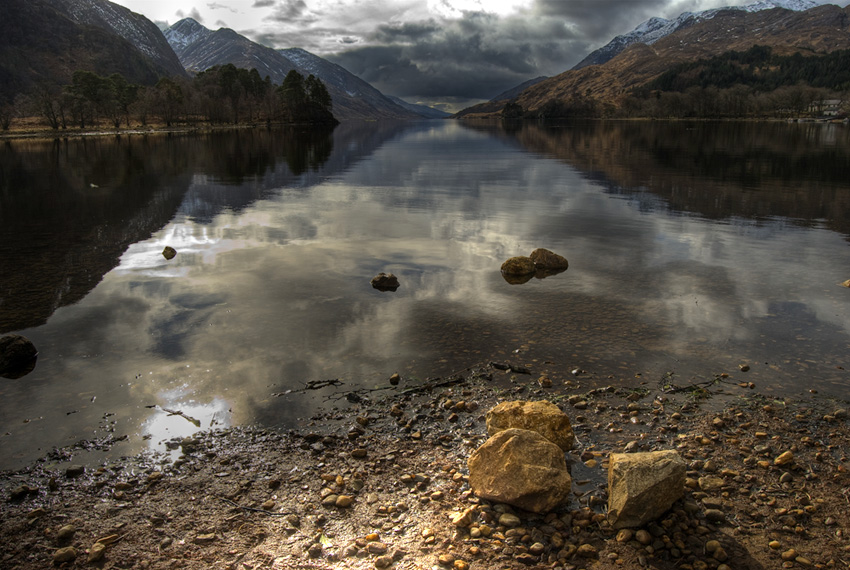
(823, 28)
(100, 36)
(199, 48)
(654, 29)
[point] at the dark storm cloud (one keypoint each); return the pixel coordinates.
(474, 57)
(421, 55)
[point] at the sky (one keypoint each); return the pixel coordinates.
(443, 53)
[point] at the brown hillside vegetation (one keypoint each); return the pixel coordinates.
(822, 29)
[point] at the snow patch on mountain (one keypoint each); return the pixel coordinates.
(184, 33)
(654, 29)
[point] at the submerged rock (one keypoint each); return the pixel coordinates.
(520, 468)
(169, 252)
(385, 282)
(17, 356)
(543, 417)
(642, 486)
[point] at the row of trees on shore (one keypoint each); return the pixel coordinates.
(223, 94)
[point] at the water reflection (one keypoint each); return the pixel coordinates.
(270, 288)
(759, 171)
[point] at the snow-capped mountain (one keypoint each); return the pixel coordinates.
(184, 33)
(654, 29)
(200, 48)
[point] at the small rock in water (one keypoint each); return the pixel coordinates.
(385, 282)
(169, 252)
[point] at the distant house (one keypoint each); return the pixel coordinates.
(826, 107)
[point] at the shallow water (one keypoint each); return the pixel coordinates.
(692, 249)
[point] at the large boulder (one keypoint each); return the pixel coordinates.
(544, 417)
(521, 468)
(642, 486)
(545, 259)
(17, 356)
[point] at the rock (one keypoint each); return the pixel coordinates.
(204, 538)
(526, 558)
(385, 282)
(21, 492)
(710, 484)
(542, 417)
(395, 379)
(17, 356)
(66, 554)
(518, 266)
(509, 520)
(715, 516)
(383, 561)
(784, 458)
(169, 252)
(520, 468)
(545, 259)
(74, 471)
(464, 519)
(66, 532)
(641, 486)
(846, 283)
(96, 552)
(587, 551)
(344, 501)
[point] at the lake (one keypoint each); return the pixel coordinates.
(693, 249)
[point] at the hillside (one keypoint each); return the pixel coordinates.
(43, 42)
(655, 29)
(822, 29)
(199, 48)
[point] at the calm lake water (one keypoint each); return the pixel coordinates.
(693, 248)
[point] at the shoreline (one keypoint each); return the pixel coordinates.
(46, 133)
(248, 497)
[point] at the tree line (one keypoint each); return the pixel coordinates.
(224, 94)
(755, 83)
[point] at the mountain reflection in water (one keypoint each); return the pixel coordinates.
(692, 248)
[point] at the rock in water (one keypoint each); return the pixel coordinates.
(169, 252)
(641, 486)
(385, 282)
(17, 356)
(545, 259)
(520, 468)
(518, 266)
(543, 417)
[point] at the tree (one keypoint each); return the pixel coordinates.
(305, 101)
(169, 98)
(124, 94)
(512, 110)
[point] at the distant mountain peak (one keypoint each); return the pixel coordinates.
(184, 33)
(656, 28)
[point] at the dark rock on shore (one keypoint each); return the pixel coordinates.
(17, 356)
